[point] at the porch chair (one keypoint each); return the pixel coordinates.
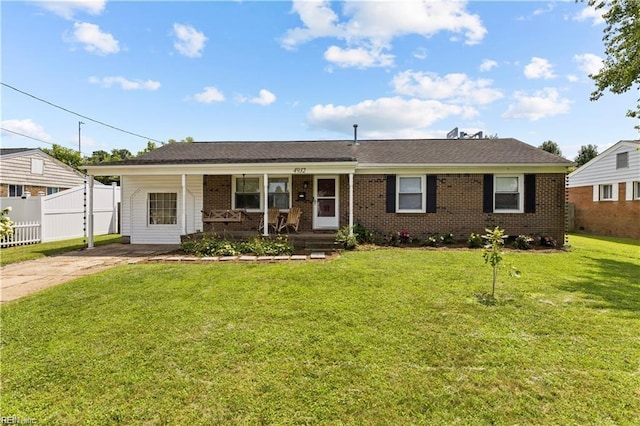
(272, 219)
(293, 219)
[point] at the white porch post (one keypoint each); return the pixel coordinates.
(350, 203)
(90, 243)
(184, 204)
(265, 213)
(114, 208)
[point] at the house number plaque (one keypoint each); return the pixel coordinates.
(300, 170)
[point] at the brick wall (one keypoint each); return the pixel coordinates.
(612, 218)
(33, 190)
(459, 208)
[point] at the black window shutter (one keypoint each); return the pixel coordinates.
(529, 193)
(487, 199)
(432, 184)
(391, 193)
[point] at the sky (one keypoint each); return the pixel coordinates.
(303, 70)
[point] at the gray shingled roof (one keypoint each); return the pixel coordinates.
(7, 151)
(400, 151)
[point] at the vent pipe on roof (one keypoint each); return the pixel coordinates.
(355, 134)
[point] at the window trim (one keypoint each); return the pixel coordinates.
(521, 194)
(260, 178)
(636, 190)
(153, 225)
(423, 189)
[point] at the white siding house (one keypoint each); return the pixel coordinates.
(606, 192)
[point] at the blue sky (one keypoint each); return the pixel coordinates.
(308, 70)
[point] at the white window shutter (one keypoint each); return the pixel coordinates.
(596, 192)
(614, 190)
(629, 191)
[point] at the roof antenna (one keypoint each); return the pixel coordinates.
(355, 135)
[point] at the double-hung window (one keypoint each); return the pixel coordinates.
(606, 192)
(622, 160)
(52, 190)
(507, 196)
(16, 190)
(247, 193)
(163, 208)
(279, 193)
(411, 194)
(636, 190)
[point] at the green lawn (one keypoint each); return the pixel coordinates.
(391, 336)
(35, 251)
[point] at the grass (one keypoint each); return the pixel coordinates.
(388, 336)
(35, 251)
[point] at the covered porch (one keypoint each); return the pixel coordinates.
(164, 205)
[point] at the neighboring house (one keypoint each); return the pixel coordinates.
(28, 172)
(605, 192)
(421, 186)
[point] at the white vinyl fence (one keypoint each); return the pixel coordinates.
(23, 233)
(61, 216)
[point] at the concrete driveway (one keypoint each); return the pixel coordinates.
(21, 279)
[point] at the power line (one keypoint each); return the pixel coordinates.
(26, 136)
(79, 115)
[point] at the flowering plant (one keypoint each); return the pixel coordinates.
(523, 242)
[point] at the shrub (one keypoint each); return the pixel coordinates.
(345, 239)
(433, 240)
(475, 240)
(400, 237)
(545, 241)
(363, 235)
(448, 238)
(212, 246)
(523, 242)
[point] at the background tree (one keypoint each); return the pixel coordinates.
(68, 156)
(621, 39)
(552, 147)
(586, 153)
(150, 147)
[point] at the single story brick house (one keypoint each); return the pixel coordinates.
(605, 192)
(423, 186)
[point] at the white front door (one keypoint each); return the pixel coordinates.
(326, 211)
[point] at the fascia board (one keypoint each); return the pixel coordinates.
(223, 169)
(460, 168)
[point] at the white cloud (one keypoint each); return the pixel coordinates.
(209, 95)
(190, 42)
(93, 39)
(420, 53)
(590, 13)
(539, 68)
(68, 8)
(370, 27)
(544, 103)
(456, 87)
(25, 127)
(589, 63)
(358, 57)
(542, 11)
(572, 78)
(265, 98)
(125, 84)
(388, 116)
(487, 65)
